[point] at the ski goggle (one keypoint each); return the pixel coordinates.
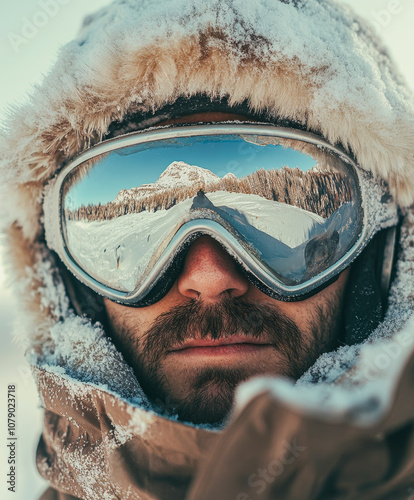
(292, 210)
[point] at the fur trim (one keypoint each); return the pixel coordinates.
(38, 288)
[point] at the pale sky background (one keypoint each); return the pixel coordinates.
(24, 66)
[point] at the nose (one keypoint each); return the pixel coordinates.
(209, 273)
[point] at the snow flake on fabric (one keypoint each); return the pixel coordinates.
(83, 352)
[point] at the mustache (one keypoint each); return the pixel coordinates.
(220, 321)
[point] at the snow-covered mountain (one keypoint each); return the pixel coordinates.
(177, 175)
(230, 175)
(180, 174)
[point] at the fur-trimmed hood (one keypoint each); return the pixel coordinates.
(311, 62)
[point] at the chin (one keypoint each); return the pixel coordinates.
(211, 395)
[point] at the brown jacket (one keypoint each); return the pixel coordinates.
(97, 446)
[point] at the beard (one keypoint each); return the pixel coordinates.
(211, 390)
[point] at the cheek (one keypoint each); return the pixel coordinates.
(125, 319)
(306, 312)
(144, 316)
(302, 313)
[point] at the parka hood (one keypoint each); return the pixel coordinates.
(310, 62)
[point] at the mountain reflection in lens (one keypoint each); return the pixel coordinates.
(294, 205)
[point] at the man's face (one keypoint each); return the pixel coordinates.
(214, 329)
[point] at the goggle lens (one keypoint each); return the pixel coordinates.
(293, 206)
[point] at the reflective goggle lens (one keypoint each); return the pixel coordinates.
(292, 205)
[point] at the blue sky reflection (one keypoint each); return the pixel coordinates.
(143, 164)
